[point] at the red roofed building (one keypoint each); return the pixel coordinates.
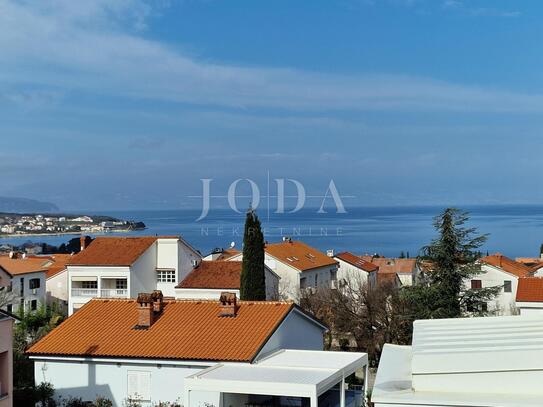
(355, 271)
(209, 278)
(529, 299)
(500, 270)
(122, 267)
(145, 348)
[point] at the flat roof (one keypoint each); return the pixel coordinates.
(292, 373)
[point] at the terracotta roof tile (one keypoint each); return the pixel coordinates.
(113, 251)
(507, 264)
(393, 265)
(60, 261)
(228, 253)
(30, 264)
(299, 255)
(530, 289)
(357, 261)
(186, 330)
(214, 274)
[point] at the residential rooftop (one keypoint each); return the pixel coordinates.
(530, 289)
(214, 274)
(357, 261)
(185, 330)
(299, 255)
(507, 264)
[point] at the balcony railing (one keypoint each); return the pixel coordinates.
(84, 292)
(114, 293)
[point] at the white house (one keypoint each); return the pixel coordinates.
(353, 269)
(407, 270)
(210, 278)
(26, 288)
(56, 282)
(499, 270)
(6, 358)
(146, 349)
(122, 267)
(529, 299)
(300, 267)
(470, 362)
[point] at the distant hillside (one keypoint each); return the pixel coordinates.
(25, 205)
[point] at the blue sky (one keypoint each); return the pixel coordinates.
(127, 104)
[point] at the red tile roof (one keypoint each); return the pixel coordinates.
(530, 289)
(113, 251)
(299, 255)
(215, 275)
(60, 261)
(186, 330)
(228, 253)
(29, 264)
(357, 261)
(507, 264)
(393, 265)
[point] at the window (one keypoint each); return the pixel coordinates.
(21, 286)
(303, 283)
(33, 305)
(507, 286)
(316, 280)
(476, 284)
(165, 276)
(34, 283)
(10, 287)
(139, 385)
(89, 285)
(333, 275)
(121, 284)
(9, 308)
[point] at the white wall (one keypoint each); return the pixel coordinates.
(295, 332)
(530, 308)
(143, 272)
(28, 295)
(201, 293)
(57, 290)
(504, 303)
(351, 275)
(109, 379)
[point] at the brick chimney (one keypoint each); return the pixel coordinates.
(146, 315)
(158, 301)
(228, 305)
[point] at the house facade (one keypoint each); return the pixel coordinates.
(122, 267)
(299, 266)
(24, 277)
(210, 278)
(499, 270)
(406, 270)
(6, 358)
(355, 271)
(145, 349)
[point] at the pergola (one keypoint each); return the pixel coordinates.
(290, 373)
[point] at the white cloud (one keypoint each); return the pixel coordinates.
(92, 47)
(460, 6)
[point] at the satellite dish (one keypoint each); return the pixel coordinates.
(232, 244)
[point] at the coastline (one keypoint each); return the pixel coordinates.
(22, 235)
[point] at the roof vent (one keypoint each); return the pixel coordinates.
(228, 305)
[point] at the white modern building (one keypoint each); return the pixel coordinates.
(299, 266)
(196, 353)
(122, 267)
(470, 362)
(209, 279)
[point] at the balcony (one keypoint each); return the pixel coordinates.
(84, 292)
(114, 293)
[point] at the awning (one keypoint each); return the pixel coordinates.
(293, 373)
(84, 278)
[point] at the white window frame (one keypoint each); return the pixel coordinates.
(165, 276)
(138, 385)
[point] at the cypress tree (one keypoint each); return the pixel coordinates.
(253, 283)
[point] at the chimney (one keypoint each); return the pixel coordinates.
(146, 315)
(158, 301)
(84, 242)
(228, 305)
(12, 255)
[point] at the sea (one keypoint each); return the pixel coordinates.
(514, 230)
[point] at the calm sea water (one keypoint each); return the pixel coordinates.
(513, 230)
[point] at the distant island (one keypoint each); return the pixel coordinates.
(20, 205)
(25, 224)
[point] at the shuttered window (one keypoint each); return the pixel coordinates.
(139, 385)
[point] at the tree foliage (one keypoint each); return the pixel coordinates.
(253, 279)
(452, 261)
